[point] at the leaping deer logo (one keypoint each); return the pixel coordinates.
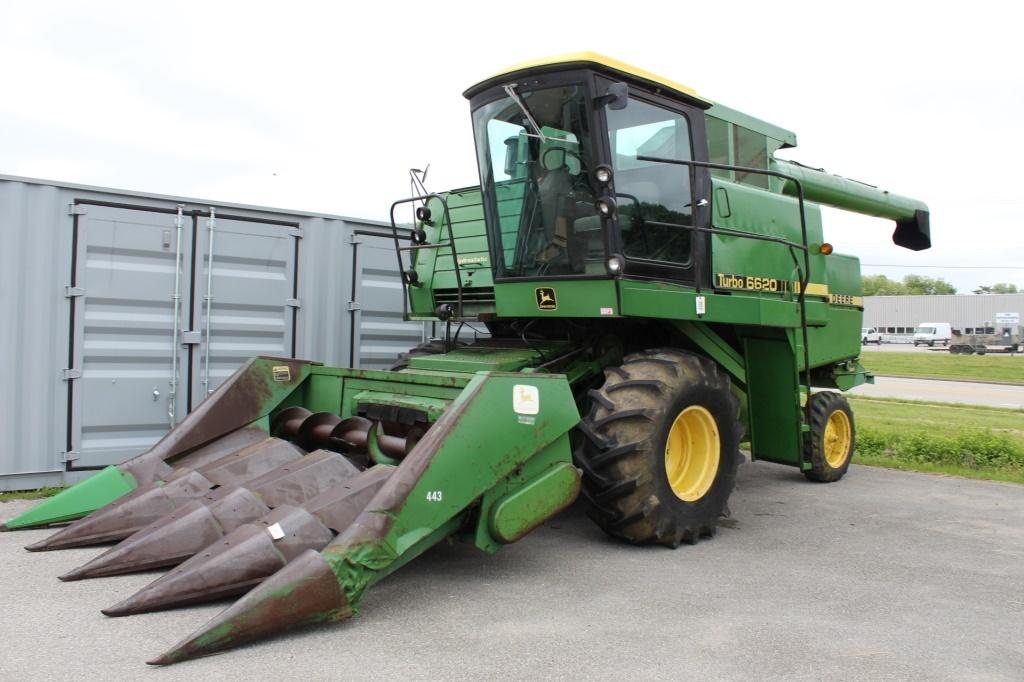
(546, 298)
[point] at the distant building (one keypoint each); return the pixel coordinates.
(967, 313)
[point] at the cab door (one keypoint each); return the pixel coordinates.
(659, 204)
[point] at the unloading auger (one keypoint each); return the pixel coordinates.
(655, 287)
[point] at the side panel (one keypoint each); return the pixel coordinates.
(379, 332)
(773, 399)
(747, 209)
(558, 298)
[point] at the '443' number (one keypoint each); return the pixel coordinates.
(434, 496)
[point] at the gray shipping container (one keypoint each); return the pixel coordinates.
(97, 366)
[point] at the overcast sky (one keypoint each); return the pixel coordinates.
(324, 107)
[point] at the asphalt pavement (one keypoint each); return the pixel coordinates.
(884, 575)
(972, 393)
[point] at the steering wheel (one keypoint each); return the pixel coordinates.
(565, 152)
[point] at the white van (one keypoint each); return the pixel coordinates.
(932, 333)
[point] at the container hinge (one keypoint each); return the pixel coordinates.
(73, 292)
(293, 303)
(354, 305)
(295, 232)
(69, 456)
(355, 239)
(191, 338)
(69, 374)
(77, 209)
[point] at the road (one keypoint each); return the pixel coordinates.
(992, 395)
(910, 348)
(885, 575)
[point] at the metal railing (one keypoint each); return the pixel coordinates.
(412, 248)
(804, 272)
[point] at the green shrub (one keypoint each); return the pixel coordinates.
(971, 448)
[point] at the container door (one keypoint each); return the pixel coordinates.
(121, 397)
(252, 297)
(379, 333)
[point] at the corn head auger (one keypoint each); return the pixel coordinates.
(655, 288)
(325, 505)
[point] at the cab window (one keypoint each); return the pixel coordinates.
(648, 191)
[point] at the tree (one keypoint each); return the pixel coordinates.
(880, 285)
(912, 285)
(929, 286)
(998, 288)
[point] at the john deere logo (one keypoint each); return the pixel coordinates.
(546, 298)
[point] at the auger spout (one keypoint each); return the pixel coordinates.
(233, 416)
(504, 437)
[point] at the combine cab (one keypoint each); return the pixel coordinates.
(655, 288)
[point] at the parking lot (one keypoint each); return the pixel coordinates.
(886, 575)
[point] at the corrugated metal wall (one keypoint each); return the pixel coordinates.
(962, 311)
(87, 291)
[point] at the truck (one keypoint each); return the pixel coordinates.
(870, 335)
(648, 288)
(1007, 339)
(932, 333)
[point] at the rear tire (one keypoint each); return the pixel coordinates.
(832, 438)
(660, 448)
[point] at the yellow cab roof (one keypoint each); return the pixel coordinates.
(603, 63)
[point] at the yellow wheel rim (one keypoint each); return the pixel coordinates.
(838, 436)
(692, 452)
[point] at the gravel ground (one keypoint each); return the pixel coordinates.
(886, 575)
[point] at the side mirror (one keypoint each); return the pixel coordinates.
(511, 156)
(615, 97)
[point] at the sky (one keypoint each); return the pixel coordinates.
(325, 106)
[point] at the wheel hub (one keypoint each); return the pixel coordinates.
(692, 453)
(838, 435)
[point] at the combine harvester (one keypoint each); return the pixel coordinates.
(637, 255)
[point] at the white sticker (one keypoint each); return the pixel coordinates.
(607, 311)
(525, 399)
(275, 531)
(701, 305)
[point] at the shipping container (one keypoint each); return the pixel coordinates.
(125, 309)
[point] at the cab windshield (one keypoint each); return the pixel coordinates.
(535, 175)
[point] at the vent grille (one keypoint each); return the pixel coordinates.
(477, 295)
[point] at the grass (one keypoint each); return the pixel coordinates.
(961, 440)
(1001, 369)
(37, 494)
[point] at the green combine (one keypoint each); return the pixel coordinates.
(636, 288)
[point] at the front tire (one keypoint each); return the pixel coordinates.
(829, 446)
(660, 448)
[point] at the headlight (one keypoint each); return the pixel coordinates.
(605, 207)
(615, 264)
